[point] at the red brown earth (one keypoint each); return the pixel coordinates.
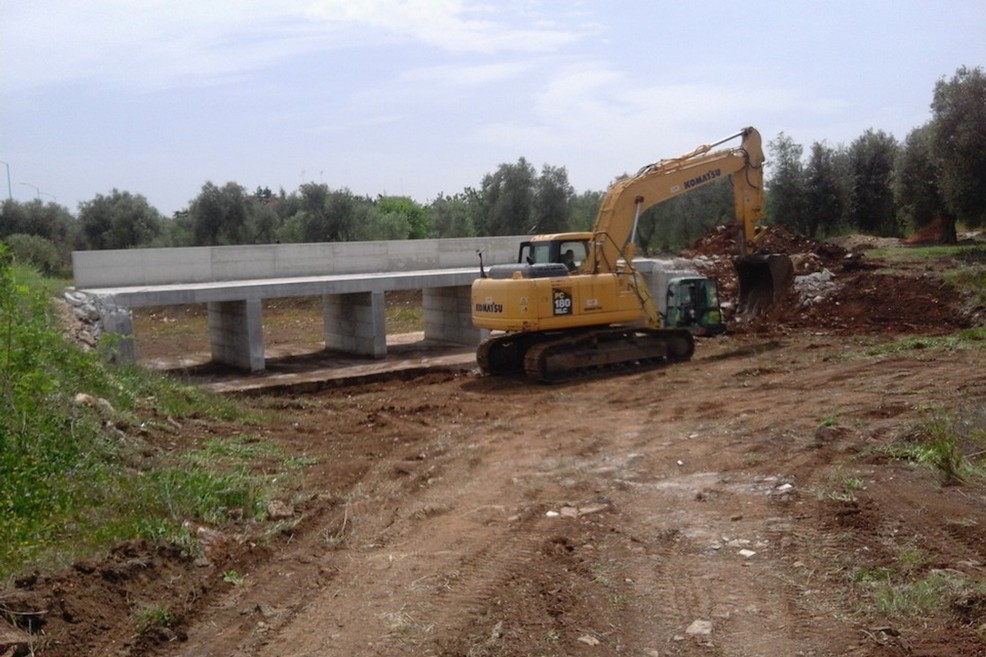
(740, 504)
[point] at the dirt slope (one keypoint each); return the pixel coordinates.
(741, 504)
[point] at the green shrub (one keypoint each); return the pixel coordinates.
(69, 487)
(36, 251)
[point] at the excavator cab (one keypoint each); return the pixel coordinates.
(569, 249)
(693, 304)
(764, 280)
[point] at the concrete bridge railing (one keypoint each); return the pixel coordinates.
(351, 277)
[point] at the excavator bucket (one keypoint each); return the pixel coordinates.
(764, 280)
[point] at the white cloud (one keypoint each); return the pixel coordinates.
(446, 24)
(154, 43)
(467, 74)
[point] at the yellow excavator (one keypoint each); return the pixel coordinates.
(574, 303)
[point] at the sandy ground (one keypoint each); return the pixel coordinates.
(742, 504)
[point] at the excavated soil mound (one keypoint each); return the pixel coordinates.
(835, 290)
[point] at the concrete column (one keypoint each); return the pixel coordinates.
(118, 335)
(236, 334)
(356, 323)
(448, 316)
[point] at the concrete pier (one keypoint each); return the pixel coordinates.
(236, 334)
(356, 323)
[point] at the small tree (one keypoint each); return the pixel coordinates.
(823, 192)
(37, 252)
(583, 209)
(416, 218)
(551, 200)
(451, 216)
(507, 198)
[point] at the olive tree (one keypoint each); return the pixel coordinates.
(958, 143)
(119, 220)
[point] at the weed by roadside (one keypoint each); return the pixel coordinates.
(77, 477)
(953, 445)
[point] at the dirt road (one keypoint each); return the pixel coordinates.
(752, 502)
(732, 507)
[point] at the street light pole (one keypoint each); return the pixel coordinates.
(37, 189)
(10, 194)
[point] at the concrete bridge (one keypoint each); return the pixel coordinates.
(351, 278)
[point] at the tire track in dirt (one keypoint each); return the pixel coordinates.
(729, 572)
(432, 562)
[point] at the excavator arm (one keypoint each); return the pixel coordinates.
(762, 278)
(655, 183)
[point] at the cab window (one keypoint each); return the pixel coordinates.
(572, 250)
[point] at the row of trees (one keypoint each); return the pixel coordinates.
(513, 200)
(876, 185)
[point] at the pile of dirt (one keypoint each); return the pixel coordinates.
(934, 233)
(74, 604)
(835, 290)
(722, 241)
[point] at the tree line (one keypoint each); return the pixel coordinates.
(935, 178)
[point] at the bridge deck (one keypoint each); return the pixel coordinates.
(355, 320)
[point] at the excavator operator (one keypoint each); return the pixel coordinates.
(568, 259)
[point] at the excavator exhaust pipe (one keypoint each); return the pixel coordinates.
(764, 280)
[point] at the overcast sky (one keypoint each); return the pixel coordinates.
(424, 97)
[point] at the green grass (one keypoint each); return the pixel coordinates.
(968, 339)
(840, 485)
(76, 479)
(965, 252)
(972, 281)
(914, 591)
(152, 615)
(952, 445)
(964, 265)
(914, 598)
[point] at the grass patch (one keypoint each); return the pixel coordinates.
(911, 591)
(150, 616)
(953, 445)
(914, 598)
(963, 340)
(840, 486)
(961, 266)
(960, 252)
(77, 478)
(971, 281)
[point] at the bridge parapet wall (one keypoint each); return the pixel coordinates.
(209, 264)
